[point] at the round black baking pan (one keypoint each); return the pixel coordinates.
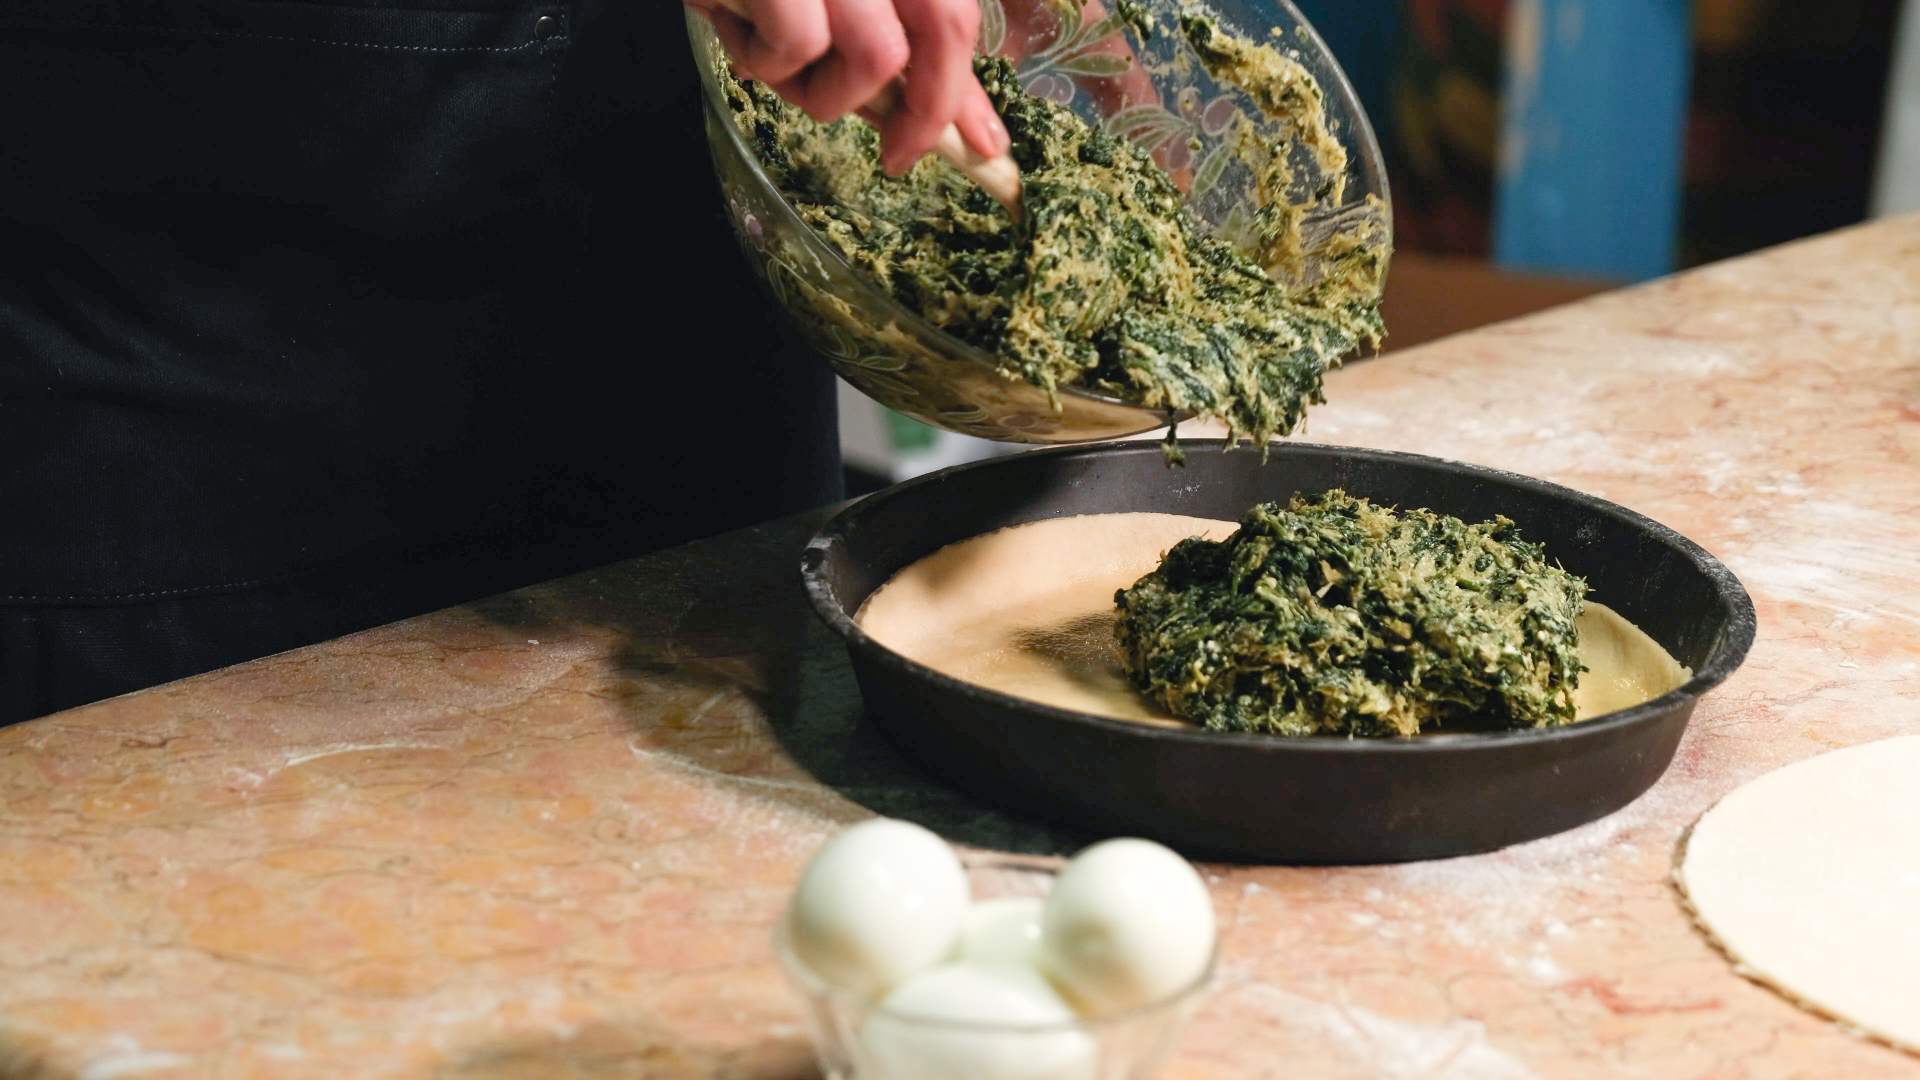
(1322, 799)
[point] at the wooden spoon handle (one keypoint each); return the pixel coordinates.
(997, 176)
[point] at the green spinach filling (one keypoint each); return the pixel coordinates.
(1106, 282)
(1331, 615)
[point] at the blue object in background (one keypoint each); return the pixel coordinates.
(1592, 133)
(1364, 36)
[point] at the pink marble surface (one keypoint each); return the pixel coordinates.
(547, 834)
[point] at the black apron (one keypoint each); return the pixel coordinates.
(318, 314)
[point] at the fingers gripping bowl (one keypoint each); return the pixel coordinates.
(1318, 799)
(1154, 94)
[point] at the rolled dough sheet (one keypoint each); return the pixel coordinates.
(1028, 611)
(1809, 878)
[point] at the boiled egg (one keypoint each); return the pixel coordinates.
(1128, 923)
(1003, 931)
(964, 1021)
(877, 903)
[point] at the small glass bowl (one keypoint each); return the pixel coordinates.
(1130, 1045)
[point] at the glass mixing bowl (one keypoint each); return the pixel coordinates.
(1163, 100)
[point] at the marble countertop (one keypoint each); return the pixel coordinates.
(547, 834)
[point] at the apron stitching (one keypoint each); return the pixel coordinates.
(553, 62)
(154, 595)
(183, 31)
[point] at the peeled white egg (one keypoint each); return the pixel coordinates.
(1001, 931)
(1128, 923)
(893, 1047)
(877, 903)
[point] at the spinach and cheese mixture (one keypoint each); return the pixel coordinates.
(1106, 281)
(1331, 615)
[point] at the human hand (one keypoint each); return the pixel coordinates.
(833, 57)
